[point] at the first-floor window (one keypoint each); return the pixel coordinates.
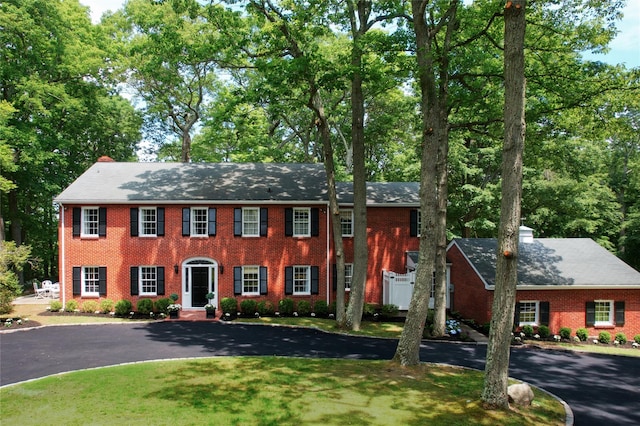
(348, 276)
(148, 280)
(250, 280)
(603, 312)
(528, 314)
(90, 281)
(301, 280)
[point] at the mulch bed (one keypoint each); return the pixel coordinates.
(17, 324)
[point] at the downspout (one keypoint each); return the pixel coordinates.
(328, 256)
(62, 260)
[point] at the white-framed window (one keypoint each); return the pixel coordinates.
(199, 221)
(90, 221)
(348, 276)
(250, 280)
(90, 281)
(529, 312)
(346, 223)
(148, 221)
(148, 280)
(301, 222)
(250, 222)
(603, 312)
(301, 280)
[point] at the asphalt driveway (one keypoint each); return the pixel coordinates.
(600, 389)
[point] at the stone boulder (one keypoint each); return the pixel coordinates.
(520, 394)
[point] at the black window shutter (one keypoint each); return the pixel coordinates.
(237, 222)
(102, 221)
(544, 313)
(264, 222)
(288, 222)
(212, 221)
(77, 280)
(334, 275)
(134, 280)
(315, 222)
(186, 221)
(591, 313)
(134, 222)
(516, 315)
(102, 280)
(288, 280)
(619, 313)
(263, 280)
(413, 223)
(315, 280)
(160, 280)
(77, 211)
(160, 220)
(237, 280)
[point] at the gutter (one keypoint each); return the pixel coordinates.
(62, 260)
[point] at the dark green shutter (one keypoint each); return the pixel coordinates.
(160, 221)
(102, 280)
(315, 222)
(237, 280)
(160, 280)
(288, 222)
(237, 222)
(263, 280)
(288, 280)
(315, 280)
(591, 313)
(102, 221)
(544, 313)
(134, 221)
(134, 281)
(264, 223)
(619, 313)
(186, 221)
(77, 212)
(212, 221)
(77, 280)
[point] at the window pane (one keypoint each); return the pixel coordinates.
(199, 221)
(90, 222)
(148, 280)
(528, 312)
(346, 222)
(301, 282)
(250, 283)
(301, 222)
(91, 282)
(250, 222)
(603, 312)
(148, 221)
(348, 275)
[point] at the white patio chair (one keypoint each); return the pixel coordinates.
(55, 291)
(47, 286)
(40, 292)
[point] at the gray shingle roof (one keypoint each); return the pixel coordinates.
(554, 262)
(114, 182)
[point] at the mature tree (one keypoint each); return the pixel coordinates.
(504, 296)
(12, 259)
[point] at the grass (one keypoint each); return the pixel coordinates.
(266, 391)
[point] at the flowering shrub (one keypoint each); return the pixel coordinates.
(174, 307)
(452, 327)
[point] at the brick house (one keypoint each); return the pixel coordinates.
(562, 282)
(147, 230)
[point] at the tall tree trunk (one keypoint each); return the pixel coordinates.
(497, 367)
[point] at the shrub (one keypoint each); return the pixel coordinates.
(6, 301)
(565, 333)
(162, 305)
(106, 306)
(55, 306)
(285, 306)
(389, 310)
(636, 338)
(265, 308)
(333, 307)
(122, 308)
(582, 334)
(544, 331)
(144, 306)
(369, 309)
(229, 305)
(90, 306)
(71, 306)
(604, 337)
(304, 308)
(527, 330)
(321, 308)
(248, 306)
(621, 338)
(174, 297)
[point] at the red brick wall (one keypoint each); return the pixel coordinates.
(567, 308)
(388, 234)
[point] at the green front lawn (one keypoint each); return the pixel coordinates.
(265, 391)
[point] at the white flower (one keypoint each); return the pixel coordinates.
(517, 339)
(556, 338)
(595, 341)
(19, 322)
(313, 314)
(537, 336)
(295, 314)
(615, 342)
(634, 345)
(522, 334)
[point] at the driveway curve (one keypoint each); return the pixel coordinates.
(600, 389)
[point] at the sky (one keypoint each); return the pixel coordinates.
(625, 48)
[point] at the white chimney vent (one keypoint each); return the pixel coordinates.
(526, 234)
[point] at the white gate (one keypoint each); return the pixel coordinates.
(398, 289)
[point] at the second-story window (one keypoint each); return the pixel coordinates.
(301, 222)
(250, 222)
(346, 223)
(90, 221)
(199, 221)
(147, 221)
